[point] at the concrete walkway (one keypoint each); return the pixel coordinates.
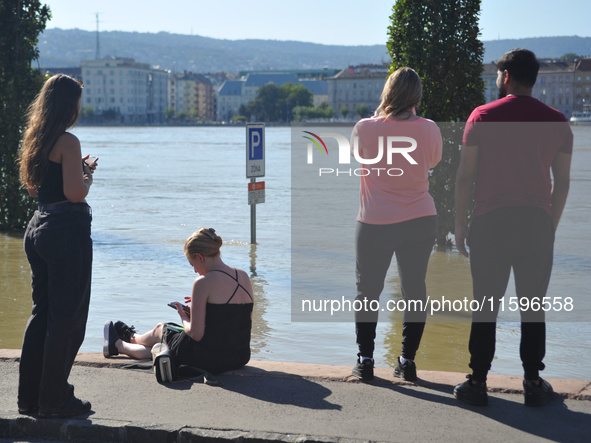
(292, 402)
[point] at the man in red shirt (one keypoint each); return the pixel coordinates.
(510, 146)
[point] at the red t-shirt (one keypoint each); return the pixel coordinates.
(518, 138)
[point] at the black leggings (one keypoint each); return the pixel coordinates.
(412, 242)
(522, 239)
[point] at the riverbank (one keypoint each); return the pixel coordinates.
(275, 401)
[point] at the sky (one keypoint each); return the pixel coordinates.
(331, 22)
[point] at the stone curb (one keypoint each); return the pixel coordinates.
(18, 426)
(445, 381)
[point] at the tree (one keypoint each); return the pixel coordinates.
(169, 113)
(21, 22)
(295, 95)
(344, 112)
(323, 111)
(439, 40)
(569, 57)
(276, 103)
(362, 110)
(88, 114)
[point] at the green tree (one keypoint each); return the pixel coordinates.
(295, 95)
(276, 103)
(323, 111)
(88, 114)
(439, 40)
(569, 57)
(362, 110)
(169, 113)
(344, 112)
(21, 22)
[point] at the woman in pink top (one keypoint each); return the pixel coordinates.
(396, 149)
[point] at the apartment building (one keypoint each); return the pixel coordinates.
(131, 92)
(192, 94)
(582, 85)
(489, 77)
(355, 86)
(554, 85)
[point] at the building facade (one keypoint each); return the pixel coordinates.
(229, 99)
(355, 86)
(582, 85)
(191, 94)
(489, 77)
(554, 85)
(127, 91)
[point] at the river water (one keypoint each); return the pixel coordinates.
(155, 186)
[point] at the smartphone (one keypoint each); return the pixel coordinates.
(185, 308)
(91, 160)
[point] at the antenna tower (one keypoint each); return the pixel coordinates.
(98, 46)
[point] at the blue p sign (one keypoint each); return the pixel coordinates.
(255, 138)
(255, 150)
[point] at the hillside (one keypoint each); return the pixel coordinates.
(543, 47)
(66, 48)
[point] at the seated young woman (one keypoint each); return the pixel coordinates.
(215, 336)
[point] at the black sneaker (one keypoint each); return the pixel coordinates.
(406, 371)
(537, 395)
(110, 337)
(472, 392)
(364, 371)
(124, 332)
(28, 410)
(74, 407)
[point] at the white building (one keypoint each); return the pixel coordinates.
(554, 85)
(355, 86)
(127, 91)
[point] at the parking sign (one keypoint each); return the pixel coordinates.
(255, 150)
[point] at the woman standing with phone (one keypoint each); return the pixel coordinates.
(59, 250)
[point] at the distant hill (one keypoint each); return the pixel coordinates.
(66, 48)
(543, 47)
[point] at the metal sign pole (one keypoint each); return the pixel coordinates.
(253, 219)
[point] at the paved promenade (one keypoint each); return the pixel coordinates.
(292, 402)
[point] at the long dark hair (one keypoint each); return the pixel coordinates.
(54, 110)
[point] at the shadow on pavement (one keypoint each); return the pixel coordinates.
(553, 421)
(296, 391)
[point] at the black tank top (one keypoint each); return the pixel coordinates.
(52, 188)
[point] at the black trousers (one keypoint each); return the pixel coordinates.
(59, 251)
(412, 241)
(519, 238)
